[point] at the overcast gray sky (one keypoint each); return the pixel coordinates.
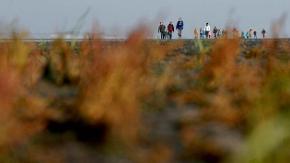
(119, 16)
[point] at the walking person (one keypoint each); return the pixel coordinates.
(201, 33)
(255, 35)
(264, 33)
(219, 33)
(207, 30)
(170, 30)
(250, 33)
(179, 27)
(243, 35)
(162, 30)
(215, 31)
(195, 32)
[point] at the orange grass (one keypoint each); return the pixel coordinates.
(116, 97)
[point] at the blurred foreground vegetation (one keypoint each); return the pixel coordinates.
(145, 101)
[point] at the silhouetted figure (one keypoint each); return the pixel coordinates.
(264, 33)
(255, 35)
(219, 33)
(215, 31)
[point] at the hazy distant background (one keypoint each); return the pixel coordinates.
(117, 17)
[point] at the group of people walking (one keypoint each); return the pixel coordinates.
(166, 32)
(252, 34)
(204, 33)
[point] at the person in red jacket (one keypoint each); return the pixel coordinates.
(170, 30)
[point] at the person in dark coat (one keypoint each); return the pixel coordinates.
(179, 27)
(162, 30)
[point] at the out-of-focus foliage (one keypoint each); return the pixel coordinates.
(141, 100)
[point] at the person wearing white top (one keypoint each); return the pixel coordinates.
(207, 30)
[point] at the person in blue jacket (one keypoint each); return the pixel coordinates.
(179, 27)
